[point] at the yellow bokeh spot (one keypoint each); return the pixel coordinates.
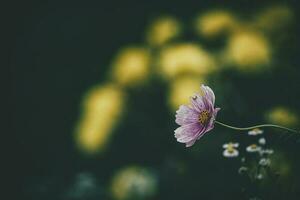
(282, 116)
(102, 108)
(281, 164)
(162, 30)
(185, 58)
(248, 51)
(131, 66)
(181, 89)
(215, 23)
(274, 18)
(133, 183)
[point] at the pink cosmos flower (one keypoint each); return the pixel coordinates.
(196, 119)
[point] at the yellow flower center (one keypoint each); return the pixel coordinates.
(230, 145)
(204, 117)
(230, 150)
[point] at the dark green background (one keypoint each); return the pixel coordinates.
(59, 49)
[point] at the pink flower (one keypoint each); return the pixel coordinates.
(196, 119)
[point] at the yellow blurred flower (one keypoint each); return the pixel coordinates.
(102, 108)
(248, 51)
(274, 18)
(133, 183)
(162, 30)
(181, 89)
(131, 66)
(215, 23)
(185, 58)
(282, 116)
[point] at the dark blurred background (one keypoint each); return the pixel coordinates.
(61, 50)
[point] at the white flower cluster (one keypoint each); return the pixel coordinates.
(258, 148)
(231, 148)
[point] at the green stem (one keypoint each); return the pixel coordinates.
(257, 126)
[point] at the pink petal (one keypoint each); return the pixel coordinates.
(208, 93)
(208, 105)
(200, 134)
(212, 120)
(186, 115)
(188, 133)
(191, 143)
(197, 103)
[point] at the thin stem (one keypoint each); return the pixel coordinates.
(257, 126)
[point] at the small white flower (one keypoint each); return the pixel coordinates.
(259, 176)
(253, 148)
(255, 131)
(262, 141)
(264, 162)
(243, 159)
(230, 152)
(266, 151)
(242, 169)
(269, 151)
(230, 145)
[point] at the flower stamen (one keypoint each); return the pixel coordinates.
(204, 117)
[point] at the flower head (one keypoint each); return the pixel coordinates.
(259, 176)
(264, 162)
(266, 152)
(262, 141)
(196, 119)
(230, 145)
(253, 148)
(230, 152)
(242, 169)
(255, 131)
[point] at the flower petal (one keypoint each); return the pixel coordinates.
(211, 123)
(208, 105)
(186, 115)
(191, 143)
(188, 133)
(208, 93)
(197, 103)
